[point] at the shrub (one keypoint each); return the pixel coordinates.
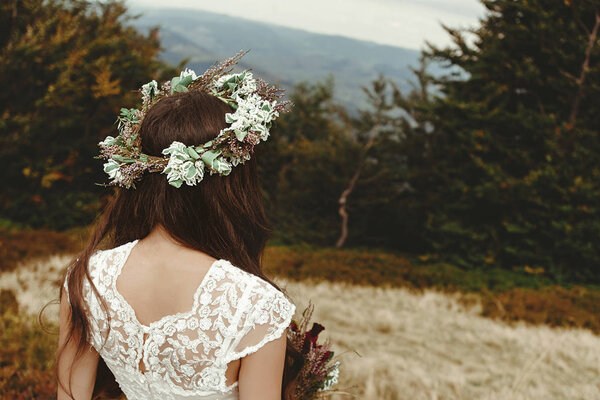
(20, 245)
(26, 354)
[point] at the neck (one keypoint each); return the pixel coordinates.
(160, 237)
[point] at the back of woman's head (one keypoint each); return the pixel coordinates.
(221, 216)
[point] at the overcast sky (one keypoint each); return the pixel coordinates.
(404, 23)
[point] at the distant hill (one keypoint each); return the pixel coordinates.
(279, 54)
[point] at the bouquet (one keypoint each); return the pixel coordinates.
(319, 372)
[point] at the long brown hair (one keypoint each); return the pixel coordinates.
(222, 216)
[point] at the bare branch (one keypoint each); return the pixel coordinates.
(352, 183)
(592, 37)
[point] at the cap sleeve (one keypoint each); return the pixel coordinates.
(86, 286)
(266, 313)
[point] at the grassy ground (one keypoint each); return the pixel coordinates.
(507, 295)
(429, 345)
(394, 342)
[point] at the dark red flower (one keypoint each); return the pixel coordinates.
(306, 344)
(314, 332)
(294, 327)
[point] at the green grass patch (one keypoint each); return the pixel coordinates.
(26, 354)
(376, 267)
(21, 245)
(504, 294)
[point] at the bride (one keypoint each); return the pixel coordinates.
(175, 305)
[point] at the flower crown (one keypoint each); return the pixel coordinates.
(255, 107)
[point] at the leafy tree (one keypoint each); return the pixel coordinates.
(301, 167)
(375, 176)
(323, 163)
(66, 67)
(505, 160)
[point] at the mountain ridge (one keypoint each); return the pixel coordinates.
(279, 54)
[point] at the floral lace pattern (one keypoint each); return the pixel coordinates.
(234, 313)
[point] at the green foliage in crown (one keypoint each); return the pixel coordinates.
(255, 107)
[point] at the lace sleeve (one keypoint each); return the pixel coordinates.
(266, 314)
(86, 286)
(90, 302)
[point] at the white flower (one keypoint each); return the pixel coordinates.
(221, 166)
(192, 323)
(107, 141)
(205, 323)
(113, 169)
(205, 298)
(129, 327)
(181, 166)
(221, 81)
(217, 273)
(212, 378)
(149, 90)
(244, 84)
(210, 285)
(235, 161)
(204, 311)
(169, 329)
(122, 315)
(176, 149)
(253, 114)
(181, 324)
(188, 72)
(159, 338)
(333, 376)
(185, 341)
(248, 85)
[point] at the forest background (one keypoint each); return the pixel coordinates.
(484, 177)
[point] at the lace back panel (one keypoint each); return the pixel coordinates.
(234, 313)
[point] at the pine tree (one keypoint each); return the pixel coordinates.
(507, 172)
(66, 67)
(301, 164)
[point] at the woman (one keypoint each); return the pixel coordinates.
(177, 306)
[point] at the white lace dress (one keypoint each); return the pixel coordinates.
(184, 355)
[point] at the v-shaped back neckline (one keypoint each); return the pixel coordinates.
(166, 318)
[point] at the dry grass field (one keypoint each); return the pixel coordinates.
(410, 345)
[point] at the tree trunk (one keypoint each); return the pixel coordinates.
(584, 70)
(351, 184)
(342, 211)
